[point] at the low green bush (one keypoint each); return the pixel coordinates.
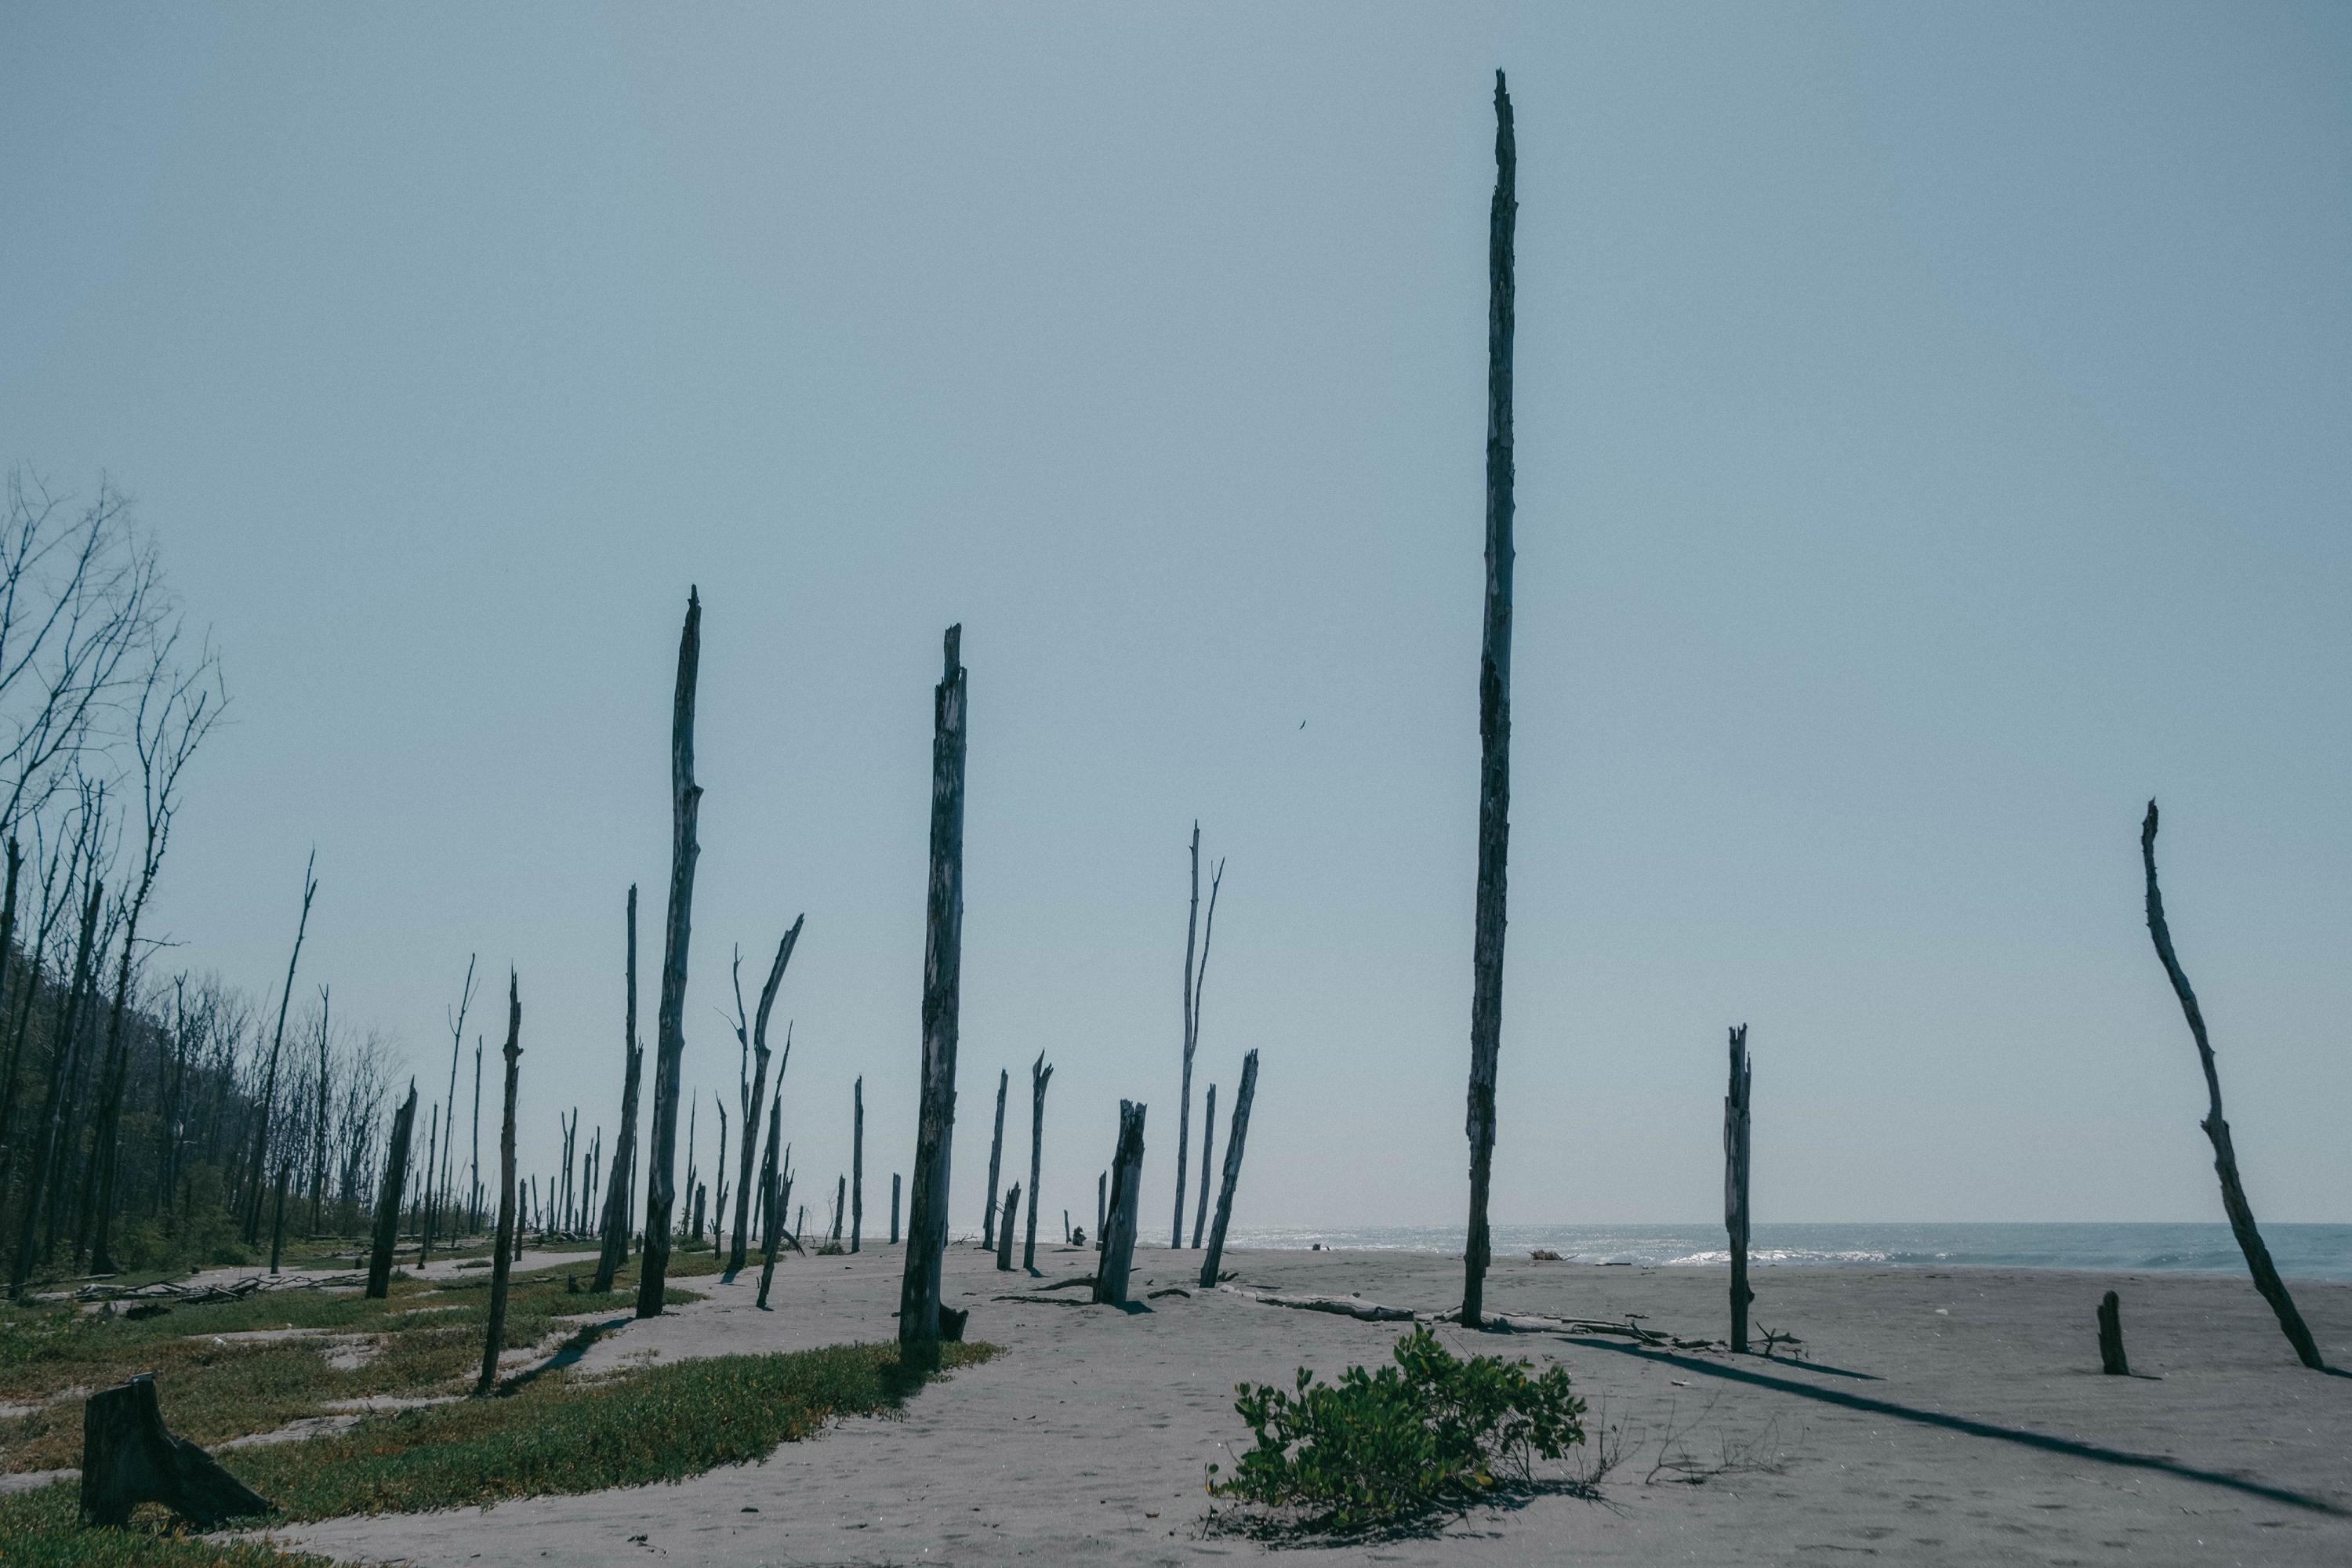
(1381, 1448)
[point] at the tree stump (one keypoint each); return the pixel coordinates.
(128, 1457)
(2111, 1337)
(1126, 1189)
(1004, 1230)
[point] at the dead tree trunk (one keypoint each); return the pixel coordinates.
(387, 1206)
(840, 1207)
(772, 1204)
(1234, 1140)
(669, 1027)
(1004, 1232)
(128, 1457)
(1102, 1206)
(2111, 1337)
(759, 1084)
(995, 1160)
(858, 1166)
(1494, 717)
(501, 1255)
(2225, 1155)
(1040, 1073)
(1192, 977)
(927, 1223)
(1126, 1191)
(1208, 1138)
(1735, 1186)
(425, 1199)
(269, 1080)
(277, 1225)
(45, 1153)
(617, 1207)
(894, 1208)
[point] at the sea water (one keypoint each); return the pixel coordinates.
(2301, 1251)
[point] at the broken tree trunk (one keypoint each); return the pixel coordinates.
(771, 1208)
(995, 1160)
(277, 1224)
(1102, 1206)
(1734, 1185)
(1040, 1073)
(1208, 1139)
(501, 1255)
(1494, 716)
(894, 1208)
(1004, 1232)
(1234, 1140)
(2225, 1155)
(1126, 1190)
(617, 1207)
(919, 1327)
(669, 1023)
(857, 1165)
(387, 1207)
(759, 1081)
(2111, 1337)
(1192, 976)
(840, 1197)
(128, 1457)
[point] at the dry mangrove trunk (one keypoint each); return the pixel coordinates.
(919, 1325)
(2225, 1155)
(1494, 717)
(1235, 1141)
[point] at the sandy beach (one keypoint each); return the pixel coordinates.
(1941, 1415)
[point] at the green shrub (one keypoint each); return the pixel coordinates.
(1380, 1448)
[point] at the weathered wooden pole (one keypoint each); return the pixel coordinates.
(1208, 1139)
(1734, 1185)
(927, 1221)
(1040, 1073)
(617, 1205)
(2225, 1155)
(1494, 717)
(2111, 1337)
(894, 1208)
(1126, 1193)
(1011, 1212)
(387, 1207)
(670, 1024)
(502, 1254)
(995, 1160)
(857, 1165)
(1235, 1139)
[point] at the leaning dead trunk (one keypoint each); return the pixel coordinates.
(1208, 1139)
(1040, 1073)
(669, 1027)
(1234, 1140)
(995, 1160)
(2225, 1155)
(395, 1191)
(501, 1255)
(1126, 1191)
(269, 1080)
(1494, 717)
(927, 1223)
(1735, 1186)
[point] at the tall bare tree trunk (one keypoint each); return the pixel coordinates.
(2225, 1155)
(758, 1090)
(1734, 1185)
(1493, 718)
(318, 1133)
(857, 1166)
(1234, 1140)
(995, 1160)
(269, 1080)
(1040, 1073)
(617, 1206)
(502, 1254)
(686, 802)
(1193, 976)
(927, 1223)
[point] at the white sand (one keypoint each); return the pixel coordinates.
(1989, 1437)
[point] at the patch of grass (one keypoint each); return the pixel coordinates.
(39, 1529)
(563, 1434)
(1379, 1449)
(216, 1388)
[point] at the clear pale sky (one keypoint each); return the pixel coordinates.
(1932, 440)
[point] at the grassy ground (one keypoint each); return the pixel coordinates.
(552, 1434)
(424, 1340)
